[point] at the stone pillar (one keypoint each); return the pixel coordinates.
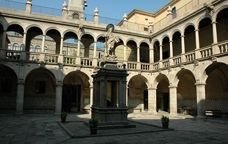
(28, 8)
(91, 95)
(197, 52)
(95, 50)
(78, 50)
(201, 96)
(215, 48)
(58, 99)
(127, 95)
(171, 53)
(152, 55)
(173, 100)
(96, 16)
(20, 96)
(61, 46)
(152, 100)
(125, 53)
(183, 59)
(138, 54)
(43, 42)
(160, 51)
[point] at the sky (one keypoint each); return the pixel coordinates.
(109, 8)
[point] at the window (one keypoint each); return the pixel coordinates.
(40, 87)
(146, 29)
(75, 16)
(174, 12)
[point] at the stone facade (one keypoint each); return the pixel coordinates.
(178, 64)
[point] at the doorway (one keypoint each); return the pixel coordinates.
(71, 101)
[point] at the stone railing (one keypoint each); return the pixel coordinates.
(51, 59)
(132, 65)
(189, 57)
(69, 60)
(223, 47)
(86, 62)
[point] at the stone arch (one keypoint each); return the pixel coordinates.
(87, 40)
(186, 92)
(144, 41)
(190, 40)
(8, 89)
(53, 39)
(144, 52)
(19, 25)
(33, 32)
(119, 49)
(76, 92)
(69, 30)
(221, 19)
(131, 52)
(52, 28)
(162, 93)
(189, 24)
(34, 25)
(175, 31)
(70, 43)
(138, 93)
(40, 91)
(165, 47)
(217, 87)
(156, 46)
(205, 31)
(176, 39)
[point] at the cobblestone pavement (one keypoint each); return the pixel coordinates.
(45, 129)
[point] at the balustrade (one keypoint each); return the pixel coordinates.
(86, 62)
(223, 47)
(53, 59)
(132, 65)
(177, 60)
(190, 57)
(206, 52)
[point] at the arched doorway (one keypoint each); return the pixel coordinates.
(8, 89)
(70, 44)
(222, 25)
(131, 52)
(40, 91)
(137, 94)
(165, 48)
(217, 87)
(176, 43)
(162, 93)
(205, 32)
(76, 92)
(88, 45)
(144, 53)
(186, 93)
(189, 39)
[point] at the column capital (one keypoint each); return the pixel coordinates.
(214, 22)
(152, 88)
(21, 82)
(172, 86)
(59, 83)
(171, 41)
(200, 83)
(182, 36)
(196, 30)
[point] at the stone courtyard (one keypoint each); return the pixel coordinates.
(47, 129)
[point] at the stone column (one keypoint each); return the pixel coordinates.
(197, 52)
(183, 59)
(64, 10)
(78, 49)
(171, 53)
(215, 48)
(201, 96)
(58, 99)
(160, 52)
(20, 96)
(127, 95)
(214, 28)
(138, 54)
(91, 95)
(28, 8)
(151, 55)
(95, 50)
(152, 100)
(43, 43)
(173, 100)
(125, 53)
(61, 46)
